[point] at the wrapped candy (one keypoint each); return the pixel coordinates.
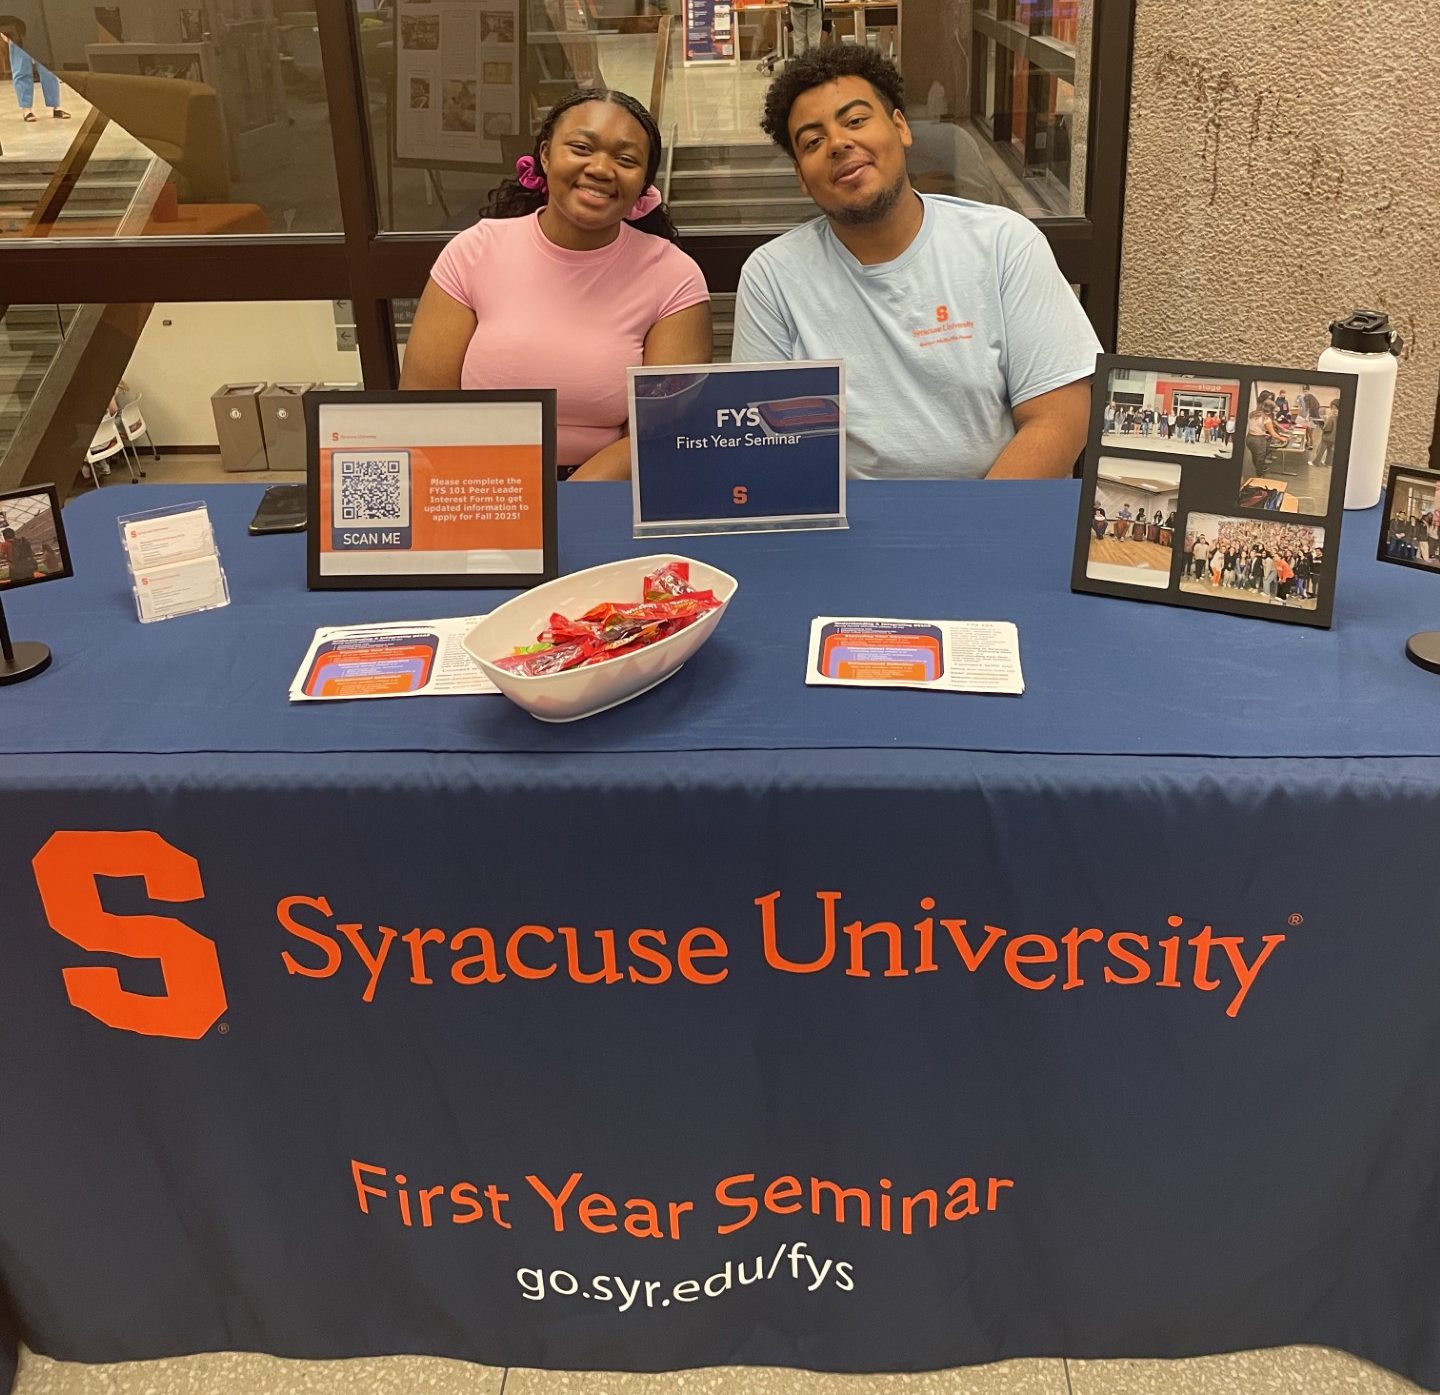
(611, 628)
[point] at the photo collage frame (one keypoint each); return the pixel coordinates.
(1218, 486)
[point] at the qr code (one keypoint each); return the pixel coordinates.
(370, 491)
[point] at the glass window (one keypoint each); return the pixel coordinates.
(458, 88)
(146, 382)
(199, 119)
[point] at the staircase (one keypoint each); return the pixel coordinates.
(749, 184)
(30, 337)
(101, 196)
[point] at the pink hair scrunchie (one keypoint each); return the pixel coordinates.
(530, 175)
(648, 202)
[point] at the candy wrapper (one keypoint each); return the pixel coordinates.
(612, 628)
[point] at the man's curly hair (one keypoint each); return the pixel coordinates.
(822, 65)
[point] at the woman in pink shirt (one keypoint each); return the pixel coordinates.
(572, 276)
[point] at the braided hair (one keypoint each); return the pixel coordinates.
(510, 199)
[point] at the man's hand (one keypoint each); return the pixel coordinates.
(1049, 435)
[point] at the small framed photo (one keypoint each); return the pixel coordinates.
(1174, 414)
(418, 490)
(32, 538)
(1218, 486)
(1410, 520)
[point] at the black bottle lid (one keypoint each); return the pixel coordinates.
(1366, 332)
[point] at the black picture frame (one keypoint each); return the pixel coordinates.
(1202, 483)
(1401, 476)
(479, 399)
(51, 495)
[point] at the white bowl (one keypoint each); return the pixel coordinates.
(582, 692)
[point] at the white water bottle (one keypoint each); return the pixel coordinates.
(1365, 346)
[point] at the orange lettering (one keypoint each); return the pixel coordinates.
(314, 937)
(646, 955)
(972, 958)
(687, 953)
(66, 873)
(750, 1206)
(512, 952)
(1141, 966)
(1016, 955)
(768, 929)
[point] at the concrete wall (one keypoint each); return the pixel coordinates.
(1283, 169)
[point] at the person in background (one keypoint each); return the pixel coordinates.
(807, 22)
(1324, 451)
(1259, 430)
(26, 72)
(572, 276)
(966, 352)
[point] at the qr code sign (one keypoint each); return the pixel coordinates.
(371, 488)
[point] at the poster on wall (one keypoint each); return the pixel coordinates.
(430, 489)
(457, 80)
(1215, 486)
(709, 32)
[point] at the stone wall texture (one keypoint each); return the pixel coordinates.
(1284, 168)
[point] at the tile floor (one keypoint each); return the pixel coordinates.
(1282, 1371)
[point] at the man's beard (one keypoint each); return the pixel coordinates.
(874, 211)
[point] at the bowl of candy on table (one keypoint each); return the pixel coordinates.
(587, 642)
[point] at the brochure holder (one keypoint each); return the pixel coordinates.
(173, 562)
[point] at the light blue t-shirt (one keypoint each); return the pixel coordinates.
(972, 319)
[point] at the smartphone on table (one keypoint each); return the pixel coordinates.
(282, 510)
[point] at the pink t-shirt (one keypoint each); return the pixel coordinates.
(574, 321)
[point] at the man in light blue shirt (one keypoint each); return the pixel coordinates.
(966, 353)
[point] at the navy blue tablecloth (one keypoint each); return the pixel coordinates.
(1103, 676)
(1127, 985)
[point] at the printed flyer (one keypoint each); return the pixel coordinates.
(407, 658)
(958, 656)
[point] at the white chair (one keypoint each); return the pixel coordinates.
(132, 427)
(104, 446)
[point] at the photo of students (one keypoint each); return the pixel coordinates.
(1133, 524)
(1245, 559)
(1412, 522)
(30, 547)
(1290, 431)
(1174, 414)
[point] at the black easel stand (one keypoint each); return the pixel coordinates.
(1423, 648)
(19, 661)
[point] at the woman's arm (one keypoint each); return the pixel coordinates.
(439, 337)
(684, 337)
